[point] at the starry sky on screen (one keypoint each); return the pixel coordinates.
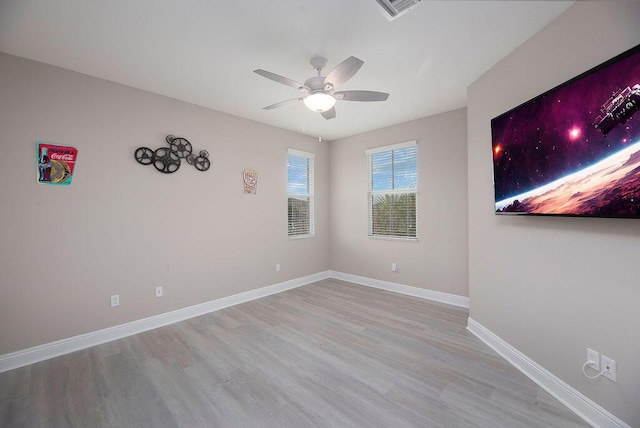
(553, 135)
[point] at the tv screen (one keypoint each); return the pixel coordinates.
(574, 150)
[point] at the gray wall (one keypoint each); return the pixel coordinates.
(552, 287)
(124, 228)
(438, 261)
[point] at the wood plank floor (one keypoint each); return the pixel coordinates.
(330, 354)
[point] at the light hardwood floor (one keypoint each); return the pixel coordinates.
(330, 354)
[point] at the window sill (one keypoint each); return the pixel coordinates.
(392, 238)
(296, 237)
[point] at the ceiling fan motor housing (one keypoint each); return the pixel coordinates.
(315, 83)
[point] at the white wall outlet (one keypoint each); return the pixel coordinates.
(278, 267)
(159, 291)
(610, 366)
(394, 267)
(595, 357)
(115, 300)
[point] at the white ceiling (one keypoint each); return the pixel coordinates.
(204, 51)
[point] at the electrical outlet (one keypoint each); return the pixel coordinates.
(159, 292)
(610, 366)
(394, 267)
(115, 300)
(278, 268)
(595, 357)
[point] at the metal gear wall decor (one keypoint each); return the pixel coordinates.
(202, 162)
(168, 159)
(144, 155)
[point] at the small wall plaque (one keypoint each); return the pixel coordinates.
(250, 181)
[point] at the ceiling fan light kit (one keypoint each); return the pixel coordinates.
(319, 91)
(319, 102)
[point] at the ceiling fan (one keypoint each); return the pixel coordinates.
(319, 91)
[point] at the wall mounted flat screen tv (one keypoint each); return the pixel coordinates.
(574, 150)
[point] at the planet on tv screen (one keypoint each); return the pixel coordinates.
(574, 150)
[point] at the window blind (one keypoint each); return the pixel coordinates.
(300, 199)
(393, 191)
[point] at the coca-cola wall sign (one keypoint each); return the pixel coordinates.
(55, 164)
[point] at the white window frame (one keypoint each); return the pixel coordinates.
(371, 193)
(310, 193)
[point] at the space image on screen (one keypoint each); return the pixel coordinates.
(574, 150)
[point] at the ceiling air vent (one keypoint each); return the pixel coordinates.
(396, 8)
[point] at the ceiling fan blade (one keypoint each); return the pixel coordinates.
(281, 79)
(282, 103)
(329, 114)
(343, 71)
(361, 96)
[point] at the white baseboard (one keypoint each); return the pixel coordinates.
(582, 406)
(71, 344)
(423, 293)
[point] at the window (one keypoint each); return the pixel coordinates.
(300, 193)
(393, 191)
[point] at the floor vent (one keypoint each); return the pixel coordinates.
(396, 8)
